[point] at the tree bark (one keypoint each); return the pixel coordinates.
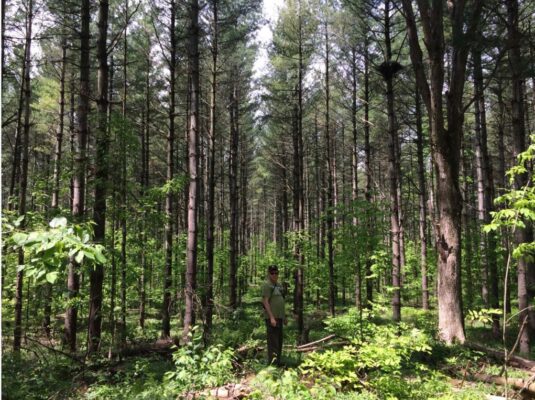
(23, 183)
(78, 202)
(368, 169)
(56, 176)
(96, 276)
(210, 208)
(233, 188)
(354, 172)
(445, 142)
(191, 250)
(330, 179)
(388, 72)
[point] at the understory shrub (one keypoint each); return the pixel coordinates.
(197, 367)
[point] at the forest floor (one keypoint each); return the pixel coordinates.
(364, 357)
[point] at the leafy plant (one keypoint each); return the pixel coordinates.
(484, 315)
(518, 206)
(48, 249)
(211, 366)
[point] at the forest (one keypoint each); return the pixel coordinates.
(158, 156)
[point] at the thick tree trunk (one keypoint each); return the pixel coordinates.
(193, 134)
(78, 198)
(96, 276)
(445, 142)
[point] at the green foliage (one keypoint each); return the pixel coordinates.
(24, 378)
(385, 348)
(483, 315)
(139, 379)
(518, 205)
(174, 186)
(287, 385)
(336, 368)
(212, 366)
(351, 324)
(47, 250)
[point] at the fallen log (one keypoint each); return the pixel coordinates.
(321, 346)
(516, 361)
(325, 339)
(524, 385)
(243, 350)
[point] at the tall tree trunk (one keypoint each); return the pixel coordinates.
(123, 185)
(144, 184)
(500, 172)
(368, 169)
(210, 217)
(166, 304)
(96, 276)
(388, 70)
(330, 184)
(113, 275)
(422, 197)
(485, 191)
(193, 116)
(299, 201)
(56, 175)
(23, 184)
(80, 161)
(445, 142)
(522, 235)
(354, 172)
(233, 189)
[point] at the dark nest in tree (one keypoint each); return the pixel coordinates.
(389, 68)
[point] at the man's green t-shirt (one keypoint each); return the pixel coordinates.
(274, 293)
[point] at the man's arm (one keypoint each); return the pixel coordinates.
(272, 320)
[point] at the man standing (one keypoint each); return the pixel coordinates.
(273, 301)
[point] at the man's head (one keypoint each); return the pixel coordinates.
(273, 273)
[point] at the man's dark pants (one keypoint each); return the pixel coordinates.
(274, 341)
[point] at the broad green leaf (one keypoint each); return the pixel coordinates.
(19, 220)
(19, 238)
(58, 222)
(51, 277)
(99, 256)
(79, 257)
(39, 273)
(89, 254)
